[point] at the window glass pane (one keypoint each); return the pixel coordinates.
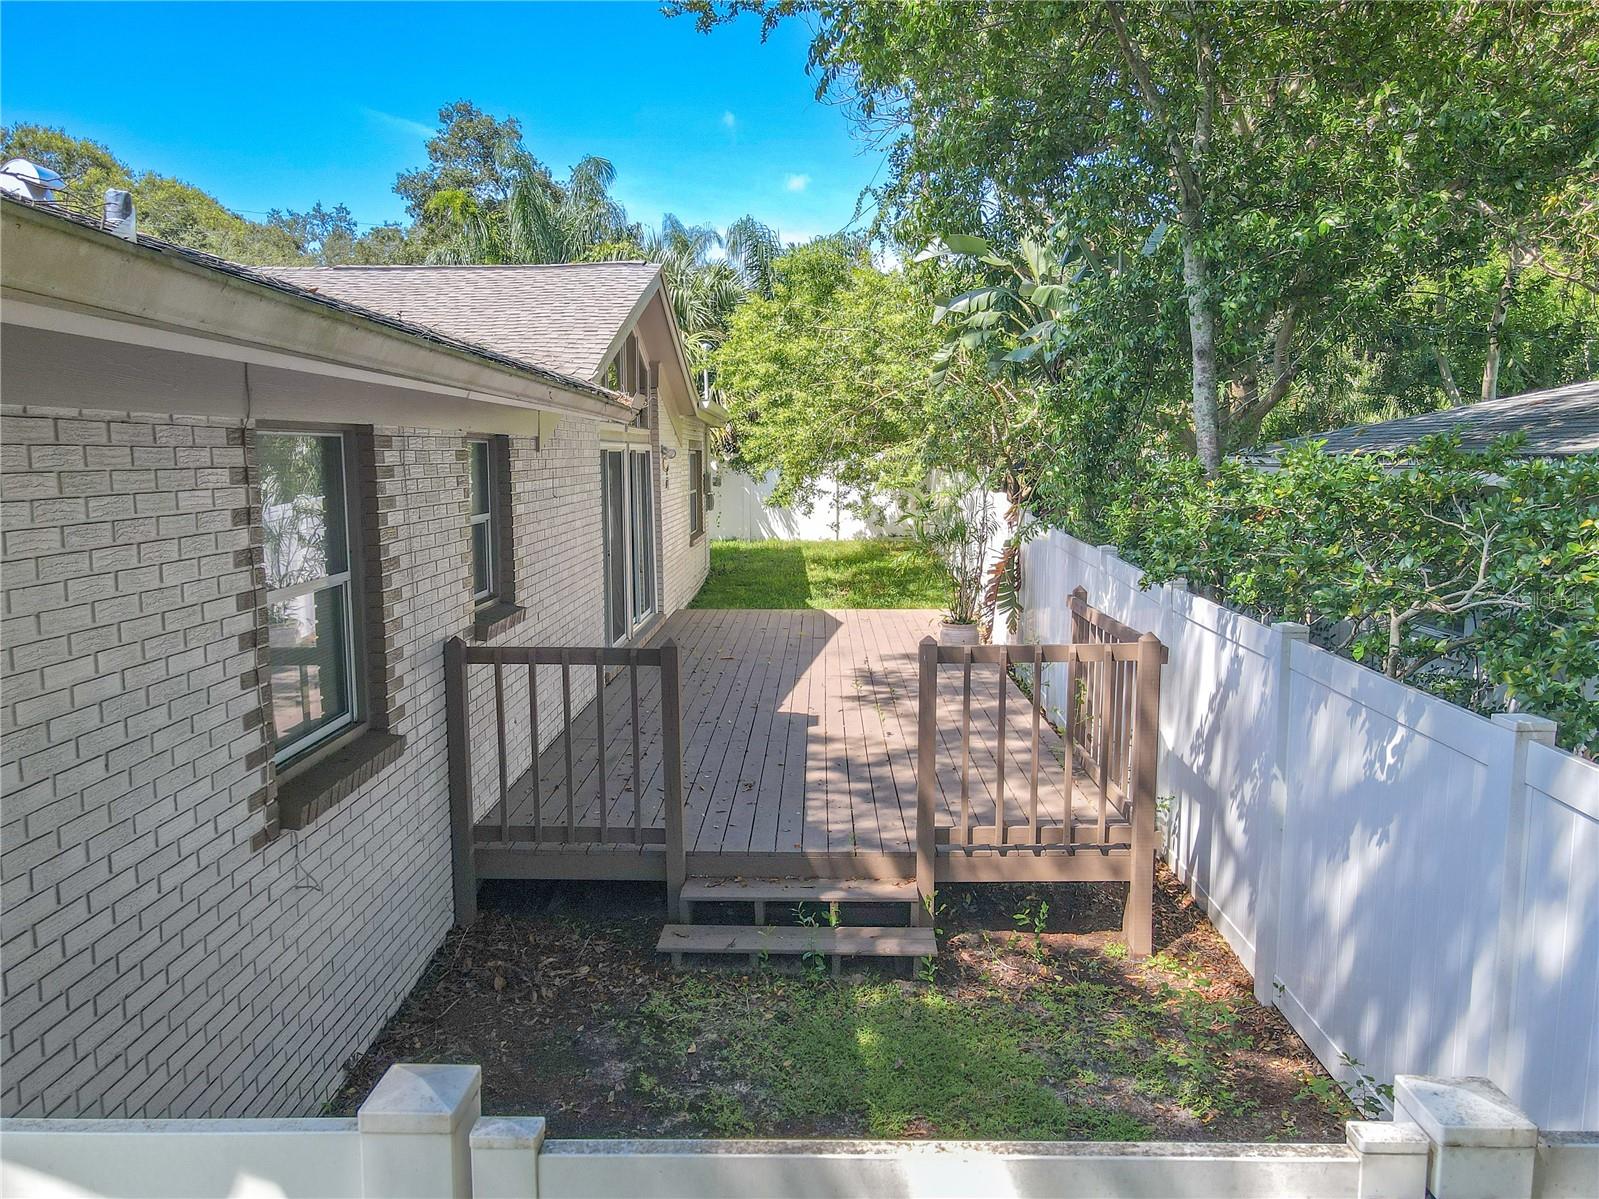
(615, 546)
(480, 477)
(302, 507)
(642, 532)
(309, 654)
(482, 576)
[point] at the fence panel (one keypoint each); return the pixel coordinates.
(1423, 900)
(1393, 852)
(1554, 999)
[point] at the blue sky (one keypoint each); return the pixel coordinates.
(281, 105)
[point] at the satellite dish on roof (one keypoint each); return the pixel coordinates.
(29, 180)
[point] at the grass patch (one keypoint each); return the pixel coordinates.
(890, 1060)
(822, 574)
(1031, 1026)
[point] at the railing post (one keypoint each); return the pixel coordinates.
(1269, 905)
(464, 872)
(1138, 916)
(672, 766)
(926, 783)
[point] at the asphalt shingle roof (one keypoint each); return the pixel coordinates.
(563, 317)
(1558, 422)
(275, 278)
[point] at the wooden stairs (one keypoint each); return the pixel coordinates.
(833, 939)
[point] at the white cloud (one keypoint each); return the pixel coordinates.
(729, 121)
(402, 124)
(797, 183)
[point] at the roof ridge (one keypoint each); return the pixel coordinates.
(461, 266)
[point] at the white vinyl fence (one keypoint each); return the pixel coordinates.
(421, 1135)
(1414, 886)
(740, 511)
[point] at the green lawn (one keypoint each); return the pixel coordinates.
(822, 574)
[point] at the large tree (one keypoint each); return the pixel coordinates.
(1300, 150)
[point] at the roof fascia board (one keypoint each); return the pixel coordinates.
(65, 278)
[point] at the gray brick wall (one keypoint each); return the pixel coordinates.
(155, 963)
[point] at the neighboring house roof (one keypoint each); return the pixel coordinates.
(565, 316)
(418, 329)
(1558, 422)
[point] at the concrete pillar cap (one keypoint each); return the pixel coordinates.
(1469, 1113)
(420, 1098)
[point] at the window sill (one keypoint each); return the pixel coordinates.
(491, 620)
(696, 538)
(309, 793)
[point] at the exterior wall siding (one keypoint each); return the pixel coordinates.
(155, 964)
(684, 563)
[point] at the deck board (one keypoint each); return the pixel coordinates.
(799, 734)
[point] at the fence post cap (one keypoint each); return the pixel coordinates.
(1526, 725)
(1467, 1113)
(421, 1098)
(1388, 1137)
(515, 1132)
(1292, 629)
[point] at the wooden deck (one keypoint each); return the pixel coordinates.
(799, 741)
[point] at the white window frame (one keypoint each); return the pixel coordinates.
(696, 490)
(489, 518)
(285, 753)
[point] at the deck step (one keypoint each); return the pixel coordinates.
(798, 890)
(829, 942)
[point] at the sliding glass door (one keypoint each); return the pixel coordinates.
(629, 518)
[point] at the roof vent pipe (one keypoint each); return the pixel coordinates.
(119, 215)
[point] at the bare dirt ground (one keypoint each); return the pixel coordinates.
(1034, 1024)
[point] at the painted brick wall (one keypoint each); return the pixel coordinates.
(684, 565)
(559, 569)
(155, 964)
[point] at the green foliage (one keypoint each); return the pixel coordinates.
(881, 573)
(826, 378)
(1472, 575)
(956, 521)
(1325, 171)
(900, 1063)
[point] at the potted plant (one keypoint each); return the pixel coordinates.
(957, 523)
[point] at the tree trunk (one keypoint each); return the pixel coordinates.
(1202, 333)
(1451, 388)
(1496, 326)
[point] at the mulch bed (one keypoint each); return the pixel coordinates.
(558, 993)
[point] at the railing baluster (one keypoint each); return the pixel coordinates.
(533, 734)
(966, 747)
(566, 711)
(1038, 711)
(504, 751)
(999, 797)
(1101, 747)
(638, 795)
(599, 757)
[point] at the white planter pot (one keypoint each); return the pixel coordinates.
(957, 634)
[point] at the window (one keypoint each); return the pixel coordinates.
(485, 528)
(311, 603)
(696, 492)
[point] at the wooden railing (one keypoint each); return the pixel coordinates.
(547, 820)
(1112, 731)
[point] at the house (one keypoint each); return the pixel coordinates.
(243, 513)
(1556, 422)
